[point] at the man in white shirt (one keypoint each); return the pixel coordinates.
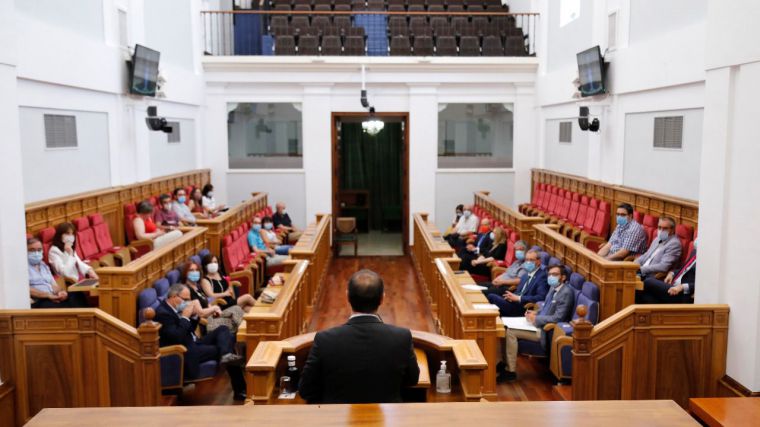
(468, 224)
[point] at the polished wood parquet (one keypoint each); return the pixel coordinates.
(404, 305)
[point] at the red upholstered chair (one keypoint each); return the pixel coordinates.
(649, 222)
(236, 267)
(588, 220)
(596, 236)
(46, 236)
(122, 254)
(685, 234)
(572, 214)
(86, 246)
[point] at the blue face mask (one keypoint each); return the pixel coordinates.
(182, 306)
(621, 220)
(552, 280)
(268, 226)
(194, 276)
(256, 227)
(662, 235)
(529, 266)
(181, 199)
(520, 255)
(35, 257)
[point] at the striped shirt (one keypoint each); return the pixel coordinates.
(630, 236)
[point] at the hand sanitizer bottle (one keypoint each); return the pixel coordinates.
(443, 380)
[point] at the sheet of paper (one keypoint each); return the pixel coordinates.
(474, 287)
(481, 306)
(518, 323)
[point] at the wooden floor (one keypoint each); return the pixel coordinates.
(405, 306)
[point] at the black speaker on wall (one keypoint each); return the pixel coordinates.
(583, 118)
(594, 125)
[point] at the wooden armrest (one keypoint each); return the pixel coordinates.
(422, 363)
(235, 284)
(172, 350)
(140, 243)
(587, 238)
(68, 282)
(548, 327)
(530, 306)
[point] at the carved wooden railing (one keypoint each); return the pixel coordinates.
(463, 357)
(287, 316)
(428, 245)
(77, 358)
(314, 246)
(456, 316)
(652, 352)
(108, 202)
(684, 211)
(617, 280)
(223, 224)
(120, 286)
(518, 222)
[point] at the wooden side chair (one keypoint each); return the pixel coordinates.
(346, 233)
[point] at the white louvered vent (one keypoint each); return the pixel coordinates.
(612, 30)
(174, 136)
(566, 132)
(668, 132)
(60, 131)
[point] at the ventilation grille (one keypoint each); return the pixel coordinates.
(668, 132)
(60, 131)
(566, 132)
(612, 30)
(173, 137)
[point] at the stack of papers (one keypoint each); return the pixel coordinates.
(481, 306)
(473, 287)
(520, 323)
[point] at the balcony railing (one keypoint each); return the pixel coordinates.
(369, 33)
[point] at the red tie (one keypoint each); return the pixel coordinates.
(685, 267)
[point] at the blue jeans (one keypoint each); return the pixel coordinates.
(282, 249)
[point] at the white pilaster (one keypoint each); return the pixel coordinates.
(316, 159)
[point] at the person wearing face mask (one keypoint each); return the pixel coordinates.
(181, 209)
(557, 307)
(216, 286)
(209, 202)
(179, 317)
(146, 229)
(678, 287)
(467, 224)
(511, 277)
(256, 242)
(282, 220)
(43, 289)
(196, 204)
(629, 237)
(532, 288)
(664, 251)
(458, 214)
(165, 216)
(63, 256)
(495, 249)
(270, 237)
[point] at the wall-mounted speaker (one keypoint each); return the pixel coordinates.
(594, 125)
(583, 118)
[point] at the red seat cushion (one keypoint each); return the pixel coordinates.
(46, 236)
(685, 234)
(86, 246)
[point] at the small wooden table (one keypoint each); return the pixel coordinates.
(726, 411)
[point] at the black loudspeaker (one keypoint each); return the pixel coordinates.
(594, 125)
(583, 118)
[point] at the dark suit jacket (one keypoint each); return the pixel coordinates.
(691, 275)
(535, 290)
(362, 361)
(176, 330)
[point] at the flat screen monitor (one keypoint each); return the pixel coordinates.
(144, 71)
(591, 72)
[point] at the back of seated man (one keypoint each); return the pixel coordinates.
(664, 252)
(178, 319)
(512, 276)
(181, 209)
(558, 307)
(533, 287)
(677, 288)
(629, 237)
(364, 360)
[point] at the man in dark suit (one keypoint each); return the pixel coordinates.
(677, 288)
(364, 360)
(179, 318)
(532, 288)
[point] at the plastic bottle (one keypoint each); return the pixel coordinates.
(443, 380)
(293, 374)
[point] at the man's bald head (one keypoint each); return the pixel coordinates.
(365, 291)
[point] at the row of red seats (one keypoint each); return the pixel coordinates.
(685, 233)
(240, 261)
(582, 218)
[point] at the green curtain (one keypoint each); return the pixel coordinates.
(373, 163)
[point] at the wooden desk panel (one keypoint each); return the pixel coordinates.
(726, 411)
(226, 222)
(518, 222)
(536, 414)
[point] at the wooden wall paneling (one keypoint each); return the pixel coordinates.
(7, 405)
(522, 224)
(314, 246)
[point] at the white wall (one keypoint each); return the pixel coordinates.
(284, 186)
(168, 158)
(664, 170)
(562, 156)
(453, 187)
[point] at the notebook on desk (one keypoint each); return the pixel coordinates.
(520, 323)
(84, 284)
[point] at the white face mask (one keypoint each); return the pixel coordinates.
(68, 239)
(212, 267)
(467, 213)
(284, 212)
(210, 194)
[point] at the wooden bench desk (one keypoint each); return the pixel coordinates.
(726, 411)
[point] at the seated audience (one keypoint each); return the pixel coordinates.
(476, 243)
(209, 202)
(364, 360)
(677, 288)
(196, 204)
(495, 250)
(281, 219)
(664, 251)
(43, 289)
(532, 288)
(511, 277)
(182, 210)
(256, 242)
(270, 237)
(558, 307)
(146, 229)
(467, 224)
(63, 255)
(179, 319)
(165, 216)
(231, 316)
(629, 237)
(215, 285)
(458, 214)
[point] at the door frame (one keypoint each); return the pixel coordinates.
(404, 116)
